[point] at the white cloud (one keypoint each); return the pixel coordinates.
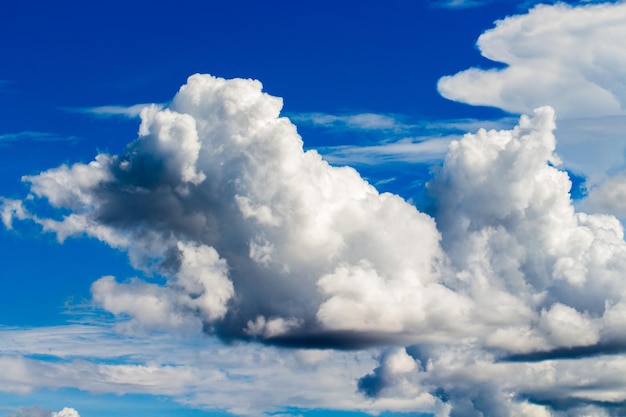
(245, 379)
(571, 58)
(114, 111)
(66, 412)
(509, 227)
(405, 150)
(260, 240)
(219, 171)
(358, 121)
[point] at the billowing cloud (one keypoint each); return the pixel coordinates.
(569, 57)
(66, 412)
(260, 240)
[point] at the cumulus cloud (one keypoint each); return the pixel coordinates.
(66, 412)
(509, 226)
(259, 240)
(569, 57)
(256, 237)
(572, 58)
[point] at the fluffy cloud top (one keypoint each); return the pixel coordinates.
(569, 57)
(258, 239)
(66, 412)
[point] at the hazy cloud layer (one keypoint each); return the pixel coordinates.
(260, 240)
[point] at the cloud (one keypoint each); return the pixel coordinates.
(219, 173)
(569, 57)
(30, 412)
(244, 379)
(460, 4)
(358, 121)
(259, 240)
(66, 412)
(34, 136)
(130, 112)
(414, 150)
(609, 197)
(391, 138)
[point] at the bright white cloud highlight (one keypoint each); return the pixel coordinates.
(571, 58)
(66, 412)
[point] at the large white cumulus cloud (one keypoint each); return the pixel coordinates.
(570, 57)
(547, 279)
(510, 228)
(258, 239)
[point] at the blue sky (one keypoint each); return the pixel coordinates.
(173, 250)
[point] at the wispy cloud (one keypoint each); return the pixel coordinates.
(460, 4)
(355, 121)
(130, 112)
(35, 136)
(414, 150)
(393, 137)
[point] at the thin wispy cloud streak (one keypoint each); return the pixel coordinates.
(130, 112)
(34, 136)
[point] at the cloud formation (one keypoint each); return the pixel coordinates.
(66, 412)
(260, 240)
(569, 57)
(129, 112)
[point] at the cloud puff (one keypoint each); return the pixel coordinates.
(260, 240)
(66, 412)
(570, 57)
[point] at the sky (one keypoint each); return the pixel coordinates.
(401, 208)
